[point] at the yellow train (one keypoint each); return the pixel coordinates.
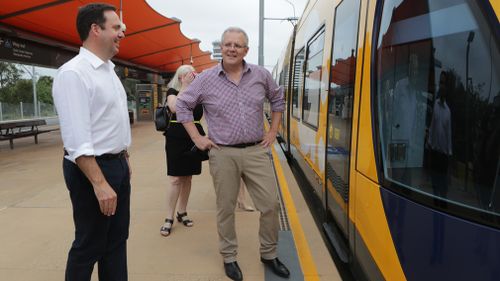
(393, 121)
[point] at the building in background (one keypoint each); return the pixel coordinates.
(216, 53)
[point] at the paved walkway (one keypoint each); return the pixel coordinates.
(37, 229)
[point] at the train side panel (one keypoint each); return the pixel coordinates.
(406, 200)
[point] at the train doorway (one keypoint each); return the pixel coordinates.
(339, 114)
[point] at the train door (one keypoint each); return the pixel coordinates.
(339, 114)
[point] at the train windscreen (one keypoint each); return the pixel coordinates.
(438, 101)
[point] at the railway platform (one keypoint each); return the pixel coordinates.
(37, 228)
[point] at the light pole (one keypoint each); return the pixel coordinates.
(261, 27)
(468, 92)
(261, 32)
(470, 38)
(35, 96)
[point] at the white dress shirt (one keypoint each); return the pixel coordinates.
(440, 128)
(92, 107)
(408, 125)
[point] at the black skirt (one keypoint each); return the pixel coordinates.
(181, 161)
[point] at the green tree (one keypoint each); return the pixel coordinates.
(9, 75)
(44, 89)
(22, 91)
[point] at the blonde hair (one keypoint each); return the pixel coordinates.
(175, 83)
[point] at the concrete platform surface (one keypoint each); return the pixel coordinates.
(37, 228)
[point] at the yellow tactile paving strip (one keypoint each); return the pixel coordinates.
(304, 253)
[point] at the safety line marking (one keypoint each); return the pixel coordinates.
(305, 258)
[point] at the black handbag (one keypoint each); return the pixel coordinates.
(162, 117)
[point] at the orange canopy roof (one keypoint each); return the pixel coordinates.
(151, 40)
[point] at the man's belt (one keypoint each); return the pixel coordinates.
(242, 145)
(107, 156)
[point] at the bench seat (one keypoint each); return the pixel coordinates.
(20, 129)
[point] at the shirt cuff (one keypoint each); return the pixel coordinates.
(278, 108)
(73, 154)
(183, 117)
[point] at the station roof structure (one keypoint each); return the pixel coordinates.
(151, 40)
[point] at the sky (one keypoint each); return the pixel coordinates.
(206, 20)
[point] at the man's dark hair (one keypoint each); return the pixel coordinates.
(90, 14)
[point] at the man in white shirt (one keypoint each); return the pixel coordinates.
(408, 127)
(439, 139)
(92, 107)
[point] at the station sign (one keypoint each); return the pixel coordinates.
(24, 51)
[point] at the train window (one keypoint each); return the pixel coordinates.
(340, 95)
(298, 76)
(286, 93)
(438, 101)
(313, 73)
(285, 79)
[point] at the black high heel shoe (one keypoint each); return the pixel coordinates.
(165, 229)
(182, 217)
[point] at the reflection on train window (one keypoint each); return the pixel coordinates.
(438, 99)
(281, 77)
(298, 74)
(313, 72)
(341, 93)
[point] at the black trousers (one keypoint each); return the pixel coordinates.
(439, 173)
(98, 238)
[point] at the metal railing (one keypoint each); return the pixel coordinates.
(9, 111)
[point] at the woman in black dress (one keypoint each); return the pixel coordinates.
(182, 163)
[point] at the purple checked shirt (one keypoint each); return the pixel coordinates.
(234, 113)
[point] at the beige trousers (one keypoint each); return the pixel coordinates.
(252, 164)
